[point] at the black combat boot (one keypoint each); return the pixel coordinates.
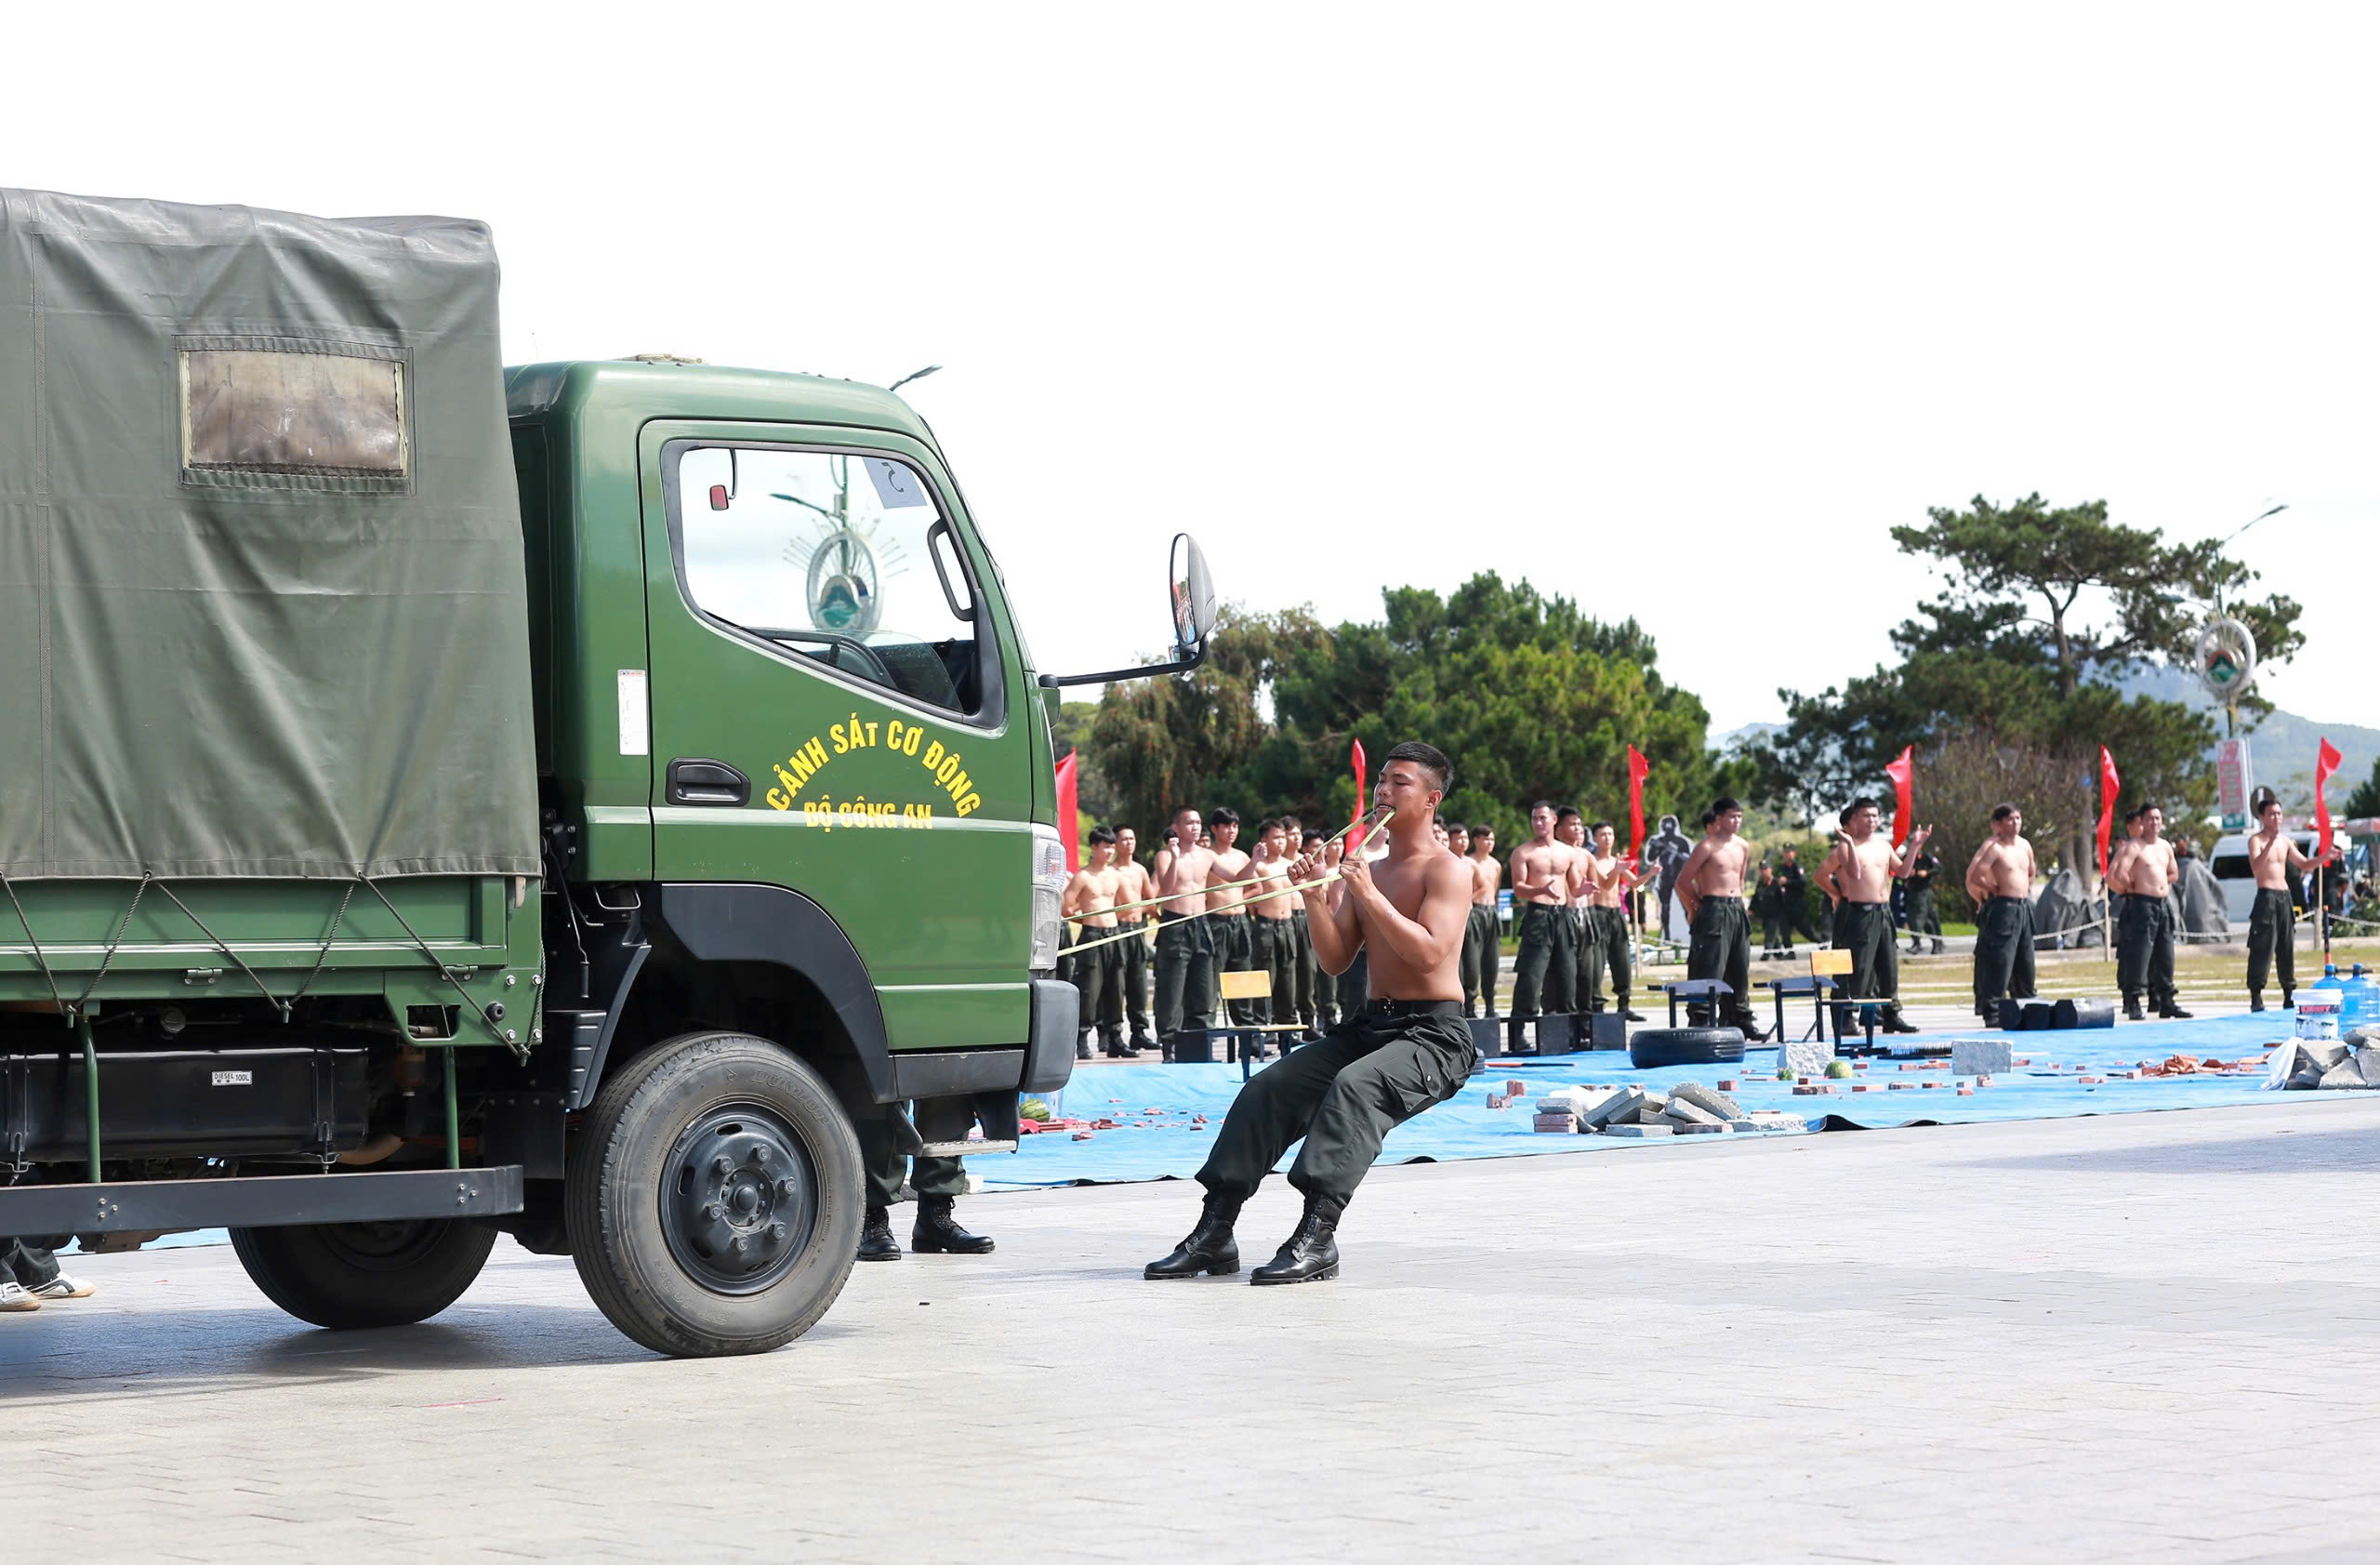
(1082, 1049)
(2170, 1009)
(876, 1240)
(1892, 1021)
(1311, 1254)
(1209, 1247)
(2132, 1011)
(937, 1233)
(2256, 1000)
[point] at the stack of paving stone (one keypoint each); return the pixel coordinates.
(2308, 1062)
(1688, 1108)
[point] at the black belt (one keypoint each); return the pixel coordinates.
(1412, 1007)
(1177, 918)
(1721, 899)
(2025, 900)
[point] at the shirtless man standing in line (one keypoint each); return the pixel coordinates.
(2144, 935)
(1089, 897)
(1483, 941)
(1274, 939)
(1548, 965)
(1570, 831)
(1859, 874)
(1227, 908)
(1311, 981)
(1609, 880)
(1185, 950)
(2275, 860)
(1403, 1049)
(1134, 885)
(1711, 889)
(2000, 883)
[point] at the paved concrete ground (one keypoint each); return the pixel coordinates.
(2143, 1337)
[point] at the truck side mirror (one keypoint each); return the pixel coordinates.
(1191, 596)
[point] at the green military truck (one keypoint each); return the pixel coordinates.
(585, 802)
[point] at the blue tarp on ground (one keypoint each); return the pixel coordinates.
(1172, 1144)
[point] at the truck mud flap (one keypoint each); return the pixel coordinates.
(171, 1205)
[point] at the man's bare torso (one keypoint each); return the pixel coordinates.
(1133, 885)
(1547, 862)
(2269, 856)
(1227, 893)
(1271, 897)
(2005, 868)
(1864, 870)
(2153, 870)
(1486, 874)
(1181, 877)
(1093, 894)
(1604, 887)
(1724, 865)
(1408, 882)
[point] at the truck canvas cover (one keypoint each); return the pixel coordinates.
(261, 594)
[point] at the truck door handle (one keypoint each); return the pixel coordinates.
(708, 782)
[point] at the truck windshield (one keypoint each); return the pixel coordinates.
(842, 557)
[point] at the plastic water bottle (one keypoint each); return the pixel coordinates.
(2359, 1002)
(2329, 992)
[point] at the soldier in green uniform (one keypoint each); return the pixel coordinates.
(938, 1181)
(1794, 897)
(1483, 938)
(1923, 919)
(1402, 1050)
(2000, 883)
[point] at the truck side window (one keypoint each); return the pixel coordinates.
(831, 555)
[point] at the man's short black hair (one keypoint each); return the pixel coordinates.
(2132, 816)
(1862, 803)
(1540, 804)
(2266, 798)
(1566, 812)
(1455, 825)
(1481, 826)
(1707, 816)
(1602, 826)
(1103, 835)
(2002, 812)
(1223, 814)
(1179, 811)
(1429, 758)
(1724, 803)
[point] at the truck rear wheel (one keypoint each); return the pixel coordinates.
(713, 1197)
(348, 1276)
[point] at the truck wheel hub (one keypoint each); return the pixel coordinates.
(738, 1198)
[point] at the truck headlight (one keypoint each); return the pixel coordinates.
(1049, 894)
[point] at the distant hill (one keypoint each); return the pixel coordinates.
(2283, 746)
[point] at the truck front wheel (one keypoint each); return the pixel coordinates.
(713, 1197)
(352, 1275)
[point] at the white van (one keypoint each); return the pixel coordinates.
(2228, 863)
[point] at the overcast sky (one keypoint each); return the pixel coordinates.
(1675, 310)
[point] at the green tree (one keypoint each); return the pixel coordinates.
(2041, 608)
(2364, 801)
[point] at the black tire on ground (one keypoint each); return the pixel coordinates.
(1653, 1047)
(713, 1197)
(349, 1276)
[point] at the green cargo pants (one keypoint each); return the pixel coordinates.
(1483, 958)
(1236, 952)
(2273, 940)
(1378, 1068)
(1865, 929)
(1134, 987)
(1301, 968)
(1274, 946)
(1923, 919)
(1185, 975)
(2004, 953)
(937, 1119)
(1607, 951)
(2145, 949)
(1720, 946)
(1545, 976)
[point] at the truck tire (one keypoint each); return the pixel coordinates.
(713, 1197)
(1654, 1048)
(349, 1276)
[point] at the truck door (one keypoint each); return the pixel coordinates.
(837, 707)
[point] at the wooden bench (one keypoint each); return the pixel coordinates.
(1246, 1040)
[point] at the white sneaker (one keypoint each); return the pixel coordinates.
(64, 1287)
(14, 1296)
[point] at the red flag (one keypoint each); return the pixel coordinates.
(1903, 768)
(1638, 770)
(1069, 813)
(1362, 804)
(2110, 786)
(2326, 761)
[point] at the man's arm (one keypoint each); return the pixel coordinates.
(1906, 859)
(1522, 884)
(1329, 913)
(1830, 868)
(1977, 889)
(1689, 876)
(1425, 942)
(2172, 868)
(1581, 869)
(1071, 902)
